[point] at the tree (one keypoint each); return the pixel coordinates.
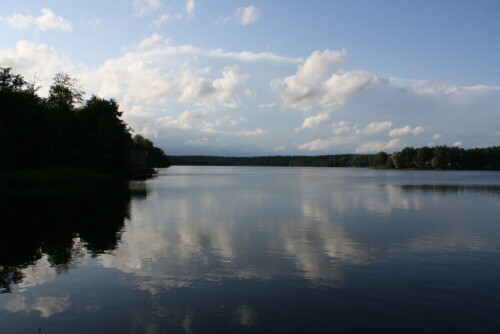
(407, 156)
(10, 82)
(423, 157)
(20, 119)
(380, 159)
(396, 159)
(156, 156)
(441, 157)
(64, 93)
(105, 140)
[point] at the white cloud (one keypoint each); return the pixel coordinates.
(377, 146)
(406, 130)
(167, 18)
(197, 142)
(314, 121)
(210, 130)
(324, 144)
(253, 132)
(234, 122)
(190, 114)
(47, 306)
(279, 148)
(153, 74)
(154, 40)
(249, 56)
(457, 144)
(47, 21)
(350, 141)
(340, 127)
(247, 15)
(375, 127)
(160, 85)
(437, 136)
(319, 84)
(440, 87)
(30, 58)
(497, 134)
(95, 22)
(190, 6)
(145, 6)
(394, 143)
(219, 93)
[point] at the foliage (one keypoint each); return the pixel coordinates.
(439, 157)
(341, 160)
(156, 156)
(62, 130)
(444, 157)
(380, 159)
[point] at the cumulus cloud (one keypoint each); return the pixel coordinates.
(343, 142)
(167, 18)
(29, 58)
(319, 84)
(440, 87)
(340, 127)
(323, 144)
(190, 6)
(152, 41)
(406, 130)
(160, 85)
(376, 146)
(197, 142)
(247, 15)
(211, 94)
(152, 75)
(457, 144)
(95, 22)
(47, 306)
(375, 127)
(47, 21)
(253, 132)
(145, 6)
(314, 121)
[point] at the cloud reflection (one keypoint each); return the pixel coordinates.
(47, 306)
(197, 227)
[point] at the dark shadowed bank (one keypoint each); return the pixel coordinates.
(63, 138)
(63, 226)
(438, 157)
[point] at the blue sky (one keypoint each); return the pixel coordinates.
(274, 77)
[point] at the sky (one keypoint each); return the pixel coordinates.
(239, 78)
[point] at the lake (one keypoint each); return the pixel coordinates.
(257, 250)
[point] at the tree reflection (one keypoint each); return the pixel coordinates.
(451, 188)
(63, 226)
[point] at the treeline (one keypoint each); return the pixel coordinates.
(340, 160)
(439, 157)
(156, 156)
(63, 130)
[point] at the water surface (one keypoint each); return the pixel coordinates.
(257, 249)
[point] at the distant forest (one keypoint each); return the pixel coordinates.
(438, 157)
(63, 130)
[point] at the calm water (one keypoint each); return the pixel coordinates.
(257, 249)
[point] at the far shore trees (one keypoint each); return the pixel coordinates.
(439, 157)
